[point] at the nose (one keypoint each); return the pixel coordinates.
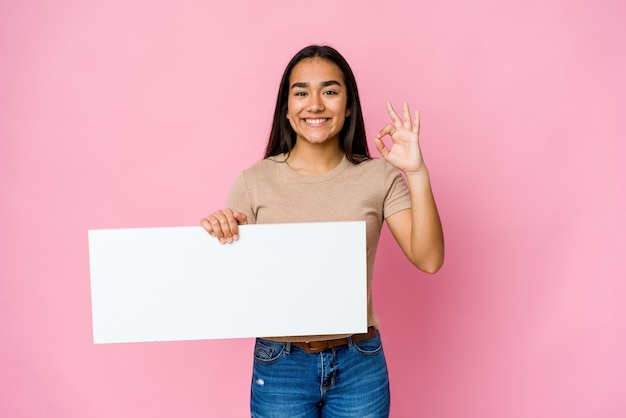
(316, 104)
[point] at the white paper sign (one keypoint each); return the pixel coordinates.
(179, 283)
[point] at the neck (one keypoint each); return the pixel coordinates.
(314, 160)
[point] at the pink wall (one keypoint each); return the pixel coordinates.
(140, 113)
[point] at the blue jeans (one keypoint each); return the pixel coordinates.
(345, 381)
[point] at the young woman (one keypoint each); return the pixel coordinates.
(317, 168)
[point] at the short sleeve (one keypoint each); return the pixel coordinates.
(398, 197)
(239, 198)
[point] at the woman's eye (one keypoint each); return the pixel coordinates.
(300, 93)
(330, 92)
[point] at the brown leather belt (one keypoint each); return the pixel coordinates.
(317, 346)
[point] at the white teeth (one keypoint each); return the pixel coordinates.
(315, 121)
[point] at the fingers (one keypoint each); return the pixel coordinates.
(407, 115)
(389, 129)
(224, 224)
(394, 116)
(397, 122)
(380, 145)
(416, 122)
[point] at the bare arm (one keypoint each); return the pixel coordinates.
(417, 230)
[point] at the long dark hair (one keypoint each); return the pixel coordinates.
(352, 136)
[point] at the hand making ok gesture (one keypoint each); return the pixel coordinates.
(405, 152)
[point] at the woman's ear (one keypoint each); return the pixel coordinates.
(348, 112)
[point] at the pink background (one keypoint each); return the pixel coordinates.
(140, 113)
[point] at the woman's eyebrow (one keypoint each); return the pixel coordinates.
(303, 85)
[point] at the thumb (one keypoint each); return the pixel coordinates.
(242, 218)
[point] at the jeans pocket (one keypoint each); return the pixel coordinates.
(266, 352)
(369, 347)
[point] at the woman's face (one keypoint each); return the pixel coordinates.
(317, 104)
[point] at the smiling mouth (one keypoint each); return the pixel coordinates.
(318, 121)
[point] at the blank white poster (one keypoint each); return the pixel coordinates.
(180, 283)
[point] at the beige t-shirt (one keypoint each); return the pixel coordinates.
(271, 192)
